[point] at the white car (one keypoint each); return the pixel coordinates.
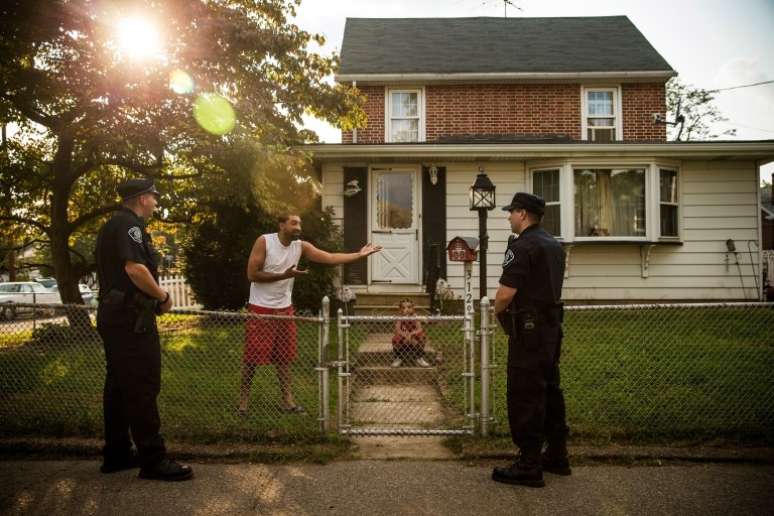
(24, 292)
(86, 293)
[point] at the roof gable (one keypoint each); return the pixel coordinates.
(496, 45)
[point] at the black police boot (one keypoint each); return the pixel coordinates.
(168, 470)
(525, 471)
(554, 459)
(112, 465)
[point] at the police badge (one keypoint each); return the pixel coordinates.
(135, 234)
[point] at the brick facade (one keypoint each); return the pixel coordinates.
(373, 132)
(515, 109)
(640, 101)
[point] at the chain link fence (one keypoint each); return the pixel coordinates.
(225, 375)
(633, 371)
(660, 371)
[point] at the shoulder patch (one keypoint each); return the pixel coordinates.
(135, 234)
(509, 258)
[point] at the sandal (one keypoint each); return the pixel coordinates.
(295, 409)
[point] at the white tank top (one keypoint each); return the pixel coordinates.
(276, 294)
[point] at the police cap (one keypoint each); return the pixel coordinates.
(134, 187)
(527, 201)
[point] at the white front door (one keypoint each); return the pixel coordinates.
(395, 226)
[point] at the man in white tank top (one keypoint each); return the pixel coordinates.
(272, 269)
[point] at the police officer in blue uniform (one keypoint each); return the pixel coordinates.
(129, 300)
(528, 306)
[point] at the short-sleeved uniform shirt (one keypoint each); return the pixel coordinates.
(123, 238)
(534, 266)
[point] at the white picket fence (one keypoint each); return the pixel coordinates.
(179, 291)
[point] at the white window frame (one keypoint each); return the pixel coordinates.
(652, 169)
(659, 166)
(420, 91)
(617, 110)
(547, 167)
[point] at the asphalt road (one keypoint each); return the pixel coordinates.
(385, 487)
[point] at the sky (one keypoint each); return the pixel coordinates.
(710, 43)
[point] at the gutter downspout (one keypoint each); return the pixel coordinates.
(761, 291)
(354, 129)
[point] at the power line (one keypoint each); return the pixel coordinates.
(741, 86)
(731, 122)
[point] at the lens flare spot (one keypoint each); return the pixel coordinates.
(180, 82)
(214, 113)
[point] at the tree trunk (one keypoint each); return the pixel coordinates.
(11, 265)
(65, 273)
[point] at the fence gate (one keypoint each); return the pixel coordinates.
(430, 392)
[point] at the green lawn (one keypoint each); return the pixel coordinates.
(55, 388)
(656, 374)
(660, 374)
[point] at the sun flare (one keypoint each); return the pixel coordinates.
(138, 38)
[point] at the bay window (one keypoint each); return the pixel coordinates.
(668, 202)
(609, 202)
(545, 183)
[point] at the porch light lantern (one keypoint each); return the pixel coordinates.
(482, 199)
(482, 193)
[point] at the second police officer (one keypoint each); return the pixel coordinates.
(129, 299)
(528, 306)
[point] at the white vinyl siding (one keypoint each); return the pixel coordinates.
(717, 201)
(332, 180)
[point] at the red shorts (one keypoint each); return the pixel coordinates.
(269, 341)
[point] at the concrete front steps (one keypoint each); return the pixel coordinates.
(386, 303)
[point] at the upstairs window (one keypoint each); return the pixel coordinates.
(404, 116)
(601, 115)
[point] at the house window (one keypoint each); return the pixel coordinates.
(601, 115)
(404, 121)
(610, 202)
(545, 183)
(668, 202)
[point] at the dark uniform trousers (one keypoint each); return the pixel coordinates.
(536, 410)
(132, 385)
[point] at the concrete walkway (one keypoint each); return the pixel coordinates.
(405, 397)
(384, 487)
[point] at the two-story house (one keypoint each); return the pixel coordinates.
(571, 109)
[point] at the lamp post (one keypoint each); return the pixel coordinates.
(482, 199)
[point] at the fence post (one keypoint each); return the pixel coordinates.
(322, 364)
(340, 375)
(484, 366)
(470, 338)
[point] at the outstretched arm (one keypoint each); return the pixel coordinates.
(255, 263)
(316, 255)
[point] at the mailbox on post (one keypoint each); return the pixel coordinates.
(465, 249)
(462, 249)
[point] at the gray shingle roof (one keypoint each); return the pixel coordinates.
(496, 45)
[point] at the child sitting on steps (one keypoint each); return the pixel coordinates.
(408, 342)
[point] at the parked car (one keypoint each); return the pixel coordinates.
(47, 282)
(23, 292)
(86, 293)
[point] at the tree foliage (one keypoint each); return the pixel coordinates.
(217, 251)
(87, 117)
(697, 107)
